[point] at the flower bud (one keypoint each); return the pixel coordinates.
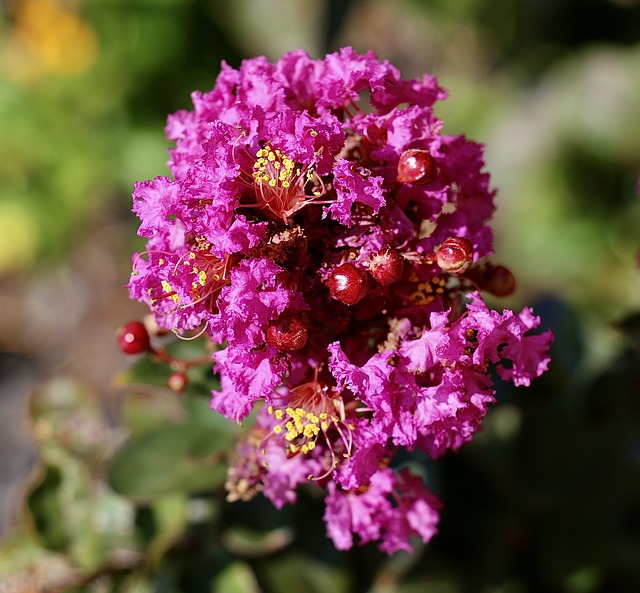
(288, 332)
(499, 281)
(417, 166)
(386, 266)
(177, 382)
(348, 284)
(133, 338)
(455, 255)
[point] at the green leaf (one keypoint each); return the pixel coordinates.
(629, 326)
(307, 573)
(237, 578)
(170, 514)
(199, 411)
(179, 458)
(144, 371)
(47, 513)
(249, 543)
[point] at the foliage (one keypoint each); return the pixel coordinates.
(545, 499)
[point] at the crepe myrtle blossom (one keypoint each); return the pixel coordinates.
(334, 245)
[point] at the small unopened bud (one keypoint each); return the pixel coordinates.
(348, 284)
(455, 255)
(417, 166)
(288, 332)
(177, 382)
(499, 281)
(386, 266)
(133, 338)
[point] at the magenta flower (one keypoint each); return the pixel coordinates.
(334, 245)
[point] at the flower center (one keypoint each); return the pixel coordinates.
(426, 291)
(202, 274)
(280, 184)
(311, 410)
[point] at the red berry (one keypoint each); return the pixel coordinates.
(455, 255)
(288, 332)
(386, 266)
(177, 382)
(348, 284)
(133, 338)
(417, 166)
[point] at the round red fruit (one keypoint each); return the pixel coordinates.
(417, 166)
(455, 255)
(133, 338)
(386, 266)
(348, 284)
(288, 332)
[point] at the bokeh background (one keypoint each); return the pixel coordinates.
(547, 497)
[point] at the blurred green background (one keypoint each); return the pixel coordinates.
(547, 498)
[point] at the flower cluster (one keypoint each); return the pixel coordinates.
(333, 243)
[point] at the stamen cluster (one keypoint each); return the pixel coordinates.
(335, 249)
